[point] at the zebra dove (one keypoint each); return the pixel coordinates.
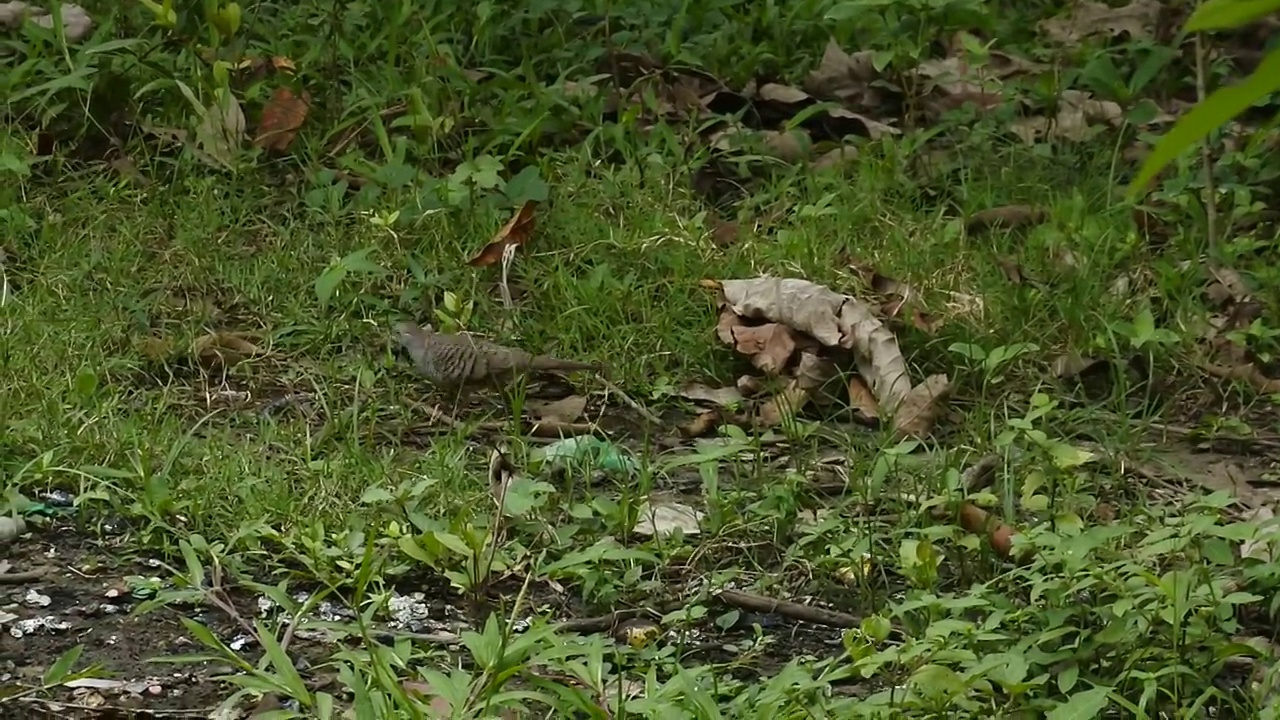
(460, 361)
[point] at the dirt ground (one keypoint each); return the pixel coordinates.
(85, 597)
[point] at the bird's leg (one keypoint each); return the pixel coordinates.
(461, 397)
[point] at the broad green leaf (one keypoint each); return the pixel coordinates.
(1213, 112)
(375, 494)
(61, 667)
(195, 570)
(1085, 705)
(328, 282)
(1224, 14)
(409, 546)
(286, 673)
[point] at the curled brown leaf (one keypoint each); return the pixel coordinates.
(516, 232)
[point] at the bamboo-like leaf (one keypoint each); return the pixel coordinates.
(1226, 14)
(1213, 112)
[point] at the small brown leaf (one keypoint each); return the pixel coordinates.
(565, 410)
(749, 385)
(770, 345)
(516, 232)
(842, 76)
(224, 349)
(919, 410)
(1070, 365)
(925, 322)
(729, 322)
(1008, 217)
(838, 157)
(1011, 270)
(724, 397)
(701, 424)
(811, 373)
(282, 116)
(1227, 286)
(1248, 373)
(862, 400)
(782, 94)
(790, 147)
(724, 233)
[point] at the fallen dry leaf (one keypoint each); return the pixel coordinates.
(1007, 217)
(749, 385)
(1080, 117)
(565, 410)
(784, 94)
(838, 157)
(1247, 373)
(919, 410)
(1227, 286)
(661, 516)
(224, 349)
(724, 233)
(1259, 548)
(925, 322)
(1087, 19)
(1011, 270)
(701, 424)
(516, 232)
(834, 320)
(282, 116)
(769, 346)
(791, 146)
(845, 77)
(812, 373)
(862, 400)
(1070, 365)
(724, 397)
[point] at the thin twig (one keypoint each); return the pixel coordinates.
(645, 412)
(1206, 153)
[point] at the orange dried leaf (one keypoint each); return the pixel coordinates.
(516, 232)
(282, 116)
(862, 399)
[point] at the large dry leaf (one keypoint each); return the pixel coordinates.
(282, 116)
(516, 232)
(1089, 19)
(834, 320)
(76, 22)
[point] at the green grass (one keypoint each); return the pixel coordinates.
(352, 492)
